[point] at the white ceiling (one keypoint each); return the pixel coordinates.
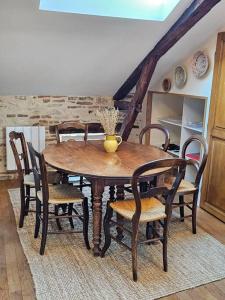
(67, 54)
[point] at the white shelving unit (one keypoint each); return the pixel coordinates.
(183, 116)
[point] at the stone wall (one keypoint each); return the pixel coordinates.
(48, 111)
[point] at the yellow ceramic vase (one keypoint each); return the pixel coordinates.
(112, 142)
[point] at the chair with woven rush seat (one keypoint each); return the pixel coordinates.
(188, 188)
(26, 177)
(55, 195)
(80, 132)
(166, 136)
(71, 127)
(145, 208)
(149, 128)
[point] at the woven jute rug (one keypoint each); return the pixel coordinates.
(69, 271)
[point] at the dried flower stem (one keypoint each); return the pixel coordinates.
(108, 117)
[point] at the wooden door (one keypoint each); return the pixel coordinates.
(213, 191)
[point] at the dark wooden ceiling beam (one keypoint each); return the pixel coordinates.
(196, 11)
(136, 102)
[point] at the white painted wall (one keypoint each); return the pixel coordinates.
(46, 53)
(197, 87)
(49, 53)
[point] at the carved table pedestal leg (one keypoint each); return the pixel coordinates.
(97, 188)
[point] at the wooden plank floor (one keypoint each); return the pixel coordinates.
(15, 277)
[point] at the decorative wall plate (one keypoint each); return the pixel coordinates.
(200, 64)
(166, 85)
(180, 75)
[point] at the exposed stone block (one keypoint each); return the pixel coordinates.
(35, 117)
(22, 116)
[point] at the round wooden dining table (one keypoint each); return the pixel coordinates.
(101, 169)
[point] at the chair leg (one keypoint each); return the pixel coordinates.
(119, 218)
(92, 198)
(153, 182)
(194, 213)
(86, 222)
(44, 228)
(149, 232)
(70, 212)
(63, 207)
(22, 208)
(165, 237)
(181, 201)
(27, 200)
(81, 182)
(134, 249)
(106, 225)
(143, 187)
(37, 221)
(64, 178)
(57, 220)
(112, 193)
(119, 230)
(154, 229)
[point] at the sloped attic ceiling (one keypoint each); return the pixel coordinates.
(68, 54)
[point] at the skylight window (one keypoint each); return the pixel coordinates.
(157, 10)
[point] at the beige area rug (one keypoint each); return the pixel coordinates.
(69, 271)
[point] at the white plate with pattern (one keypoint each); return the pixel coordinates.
(200, 64)
(180, 75)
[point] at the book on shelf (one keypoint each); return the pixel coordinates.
(194, 156)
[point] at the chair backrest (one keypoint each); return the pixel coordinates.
(23, 156)
(199, 165)
(39, 171)
(159, 127)
(156, 168)
(71, 127)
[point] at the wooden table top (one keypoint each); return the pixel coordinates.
(91, 160)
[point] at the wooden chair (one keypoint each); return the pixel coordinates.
(47, 195)
(145, 208)
(26, 178)
(145, 185)
(158, 127)
(77, 127)
(72, 127)
(188, 188)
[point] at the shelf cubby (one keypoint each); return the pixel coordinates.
(183, 116)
